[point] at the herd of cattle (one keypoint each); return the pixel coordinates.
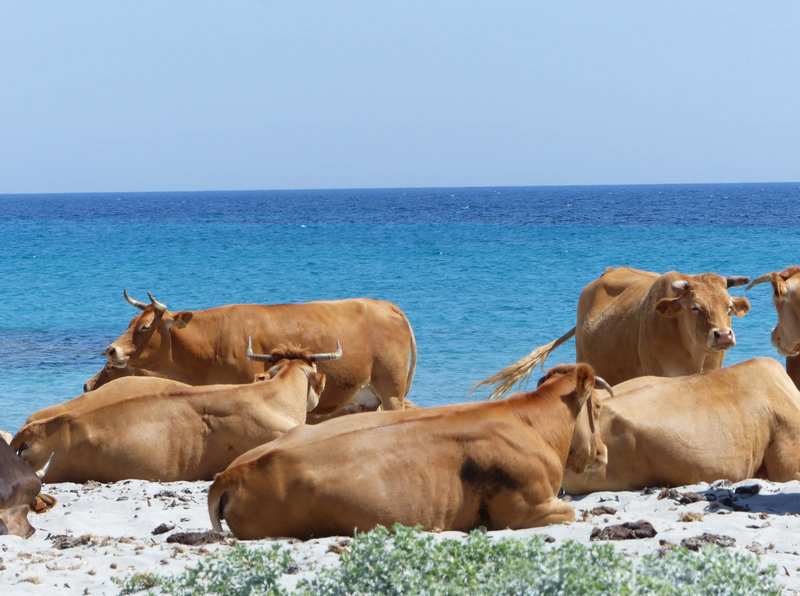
(253, 397)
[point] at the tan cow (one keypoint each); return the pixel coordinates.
(109, 394)
(20, 493)
(738, 422)
(203, 347)
(633, 323)
(497, 464)
(786, 298)
(187, 433)
(109, 373)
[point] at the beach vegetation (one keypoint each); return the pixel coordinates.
(408, 561)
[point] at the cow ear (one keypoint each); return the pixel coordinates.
(584, 381)
(779, 285)
(741, 306)
(181, 319)
(668, 307)
(42, 502)
(316, 383)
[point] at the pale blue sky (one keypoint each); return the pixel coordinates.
(138, 96)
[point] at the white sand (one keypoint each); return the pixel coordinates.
(103, 531)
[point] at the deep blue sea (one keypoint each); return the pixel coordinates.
(484, 274)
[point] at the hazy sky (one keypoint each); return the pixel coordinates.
(134, 96)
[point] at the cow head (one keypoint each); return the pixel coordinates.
(786, 298)
(147, 334)
(702, 309)
(20, 493)
(288, 357)
(587, 451)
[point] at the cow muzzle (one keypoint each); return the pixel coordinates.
(778, 344)
(721, 338)
(116, 357)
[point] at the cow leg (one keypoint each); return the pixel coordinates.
(782, 458)
(551, 511)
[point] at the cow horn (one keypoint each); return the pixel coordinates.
(257, 357)
(680, 286)
(737, 280)
(43, 471)
(159, 306)
(759, 280)
(132, 302)
(330, 355)
(603, 384)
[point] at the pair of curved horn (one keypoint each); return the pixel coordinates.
(313, 358)
(159, 306)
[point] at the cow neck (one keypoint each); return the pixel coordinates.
(550, 412)
(288, 390)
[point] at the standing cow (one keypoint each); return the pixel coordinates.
(497, 464)
(203, 347)
(632, 323)
(786, 298)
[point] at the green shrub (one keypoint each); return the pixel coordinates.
(407, 561)
(239, 571)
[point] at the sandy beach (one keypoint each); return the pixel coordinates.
(97, 532)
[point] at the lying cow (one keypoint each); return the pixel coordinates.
(739, 422)
(108, 395)
(187, 433)
(633, 323)
(20, 493)
(204, 347)
(786, 298)
(456, 467)
(109, 373)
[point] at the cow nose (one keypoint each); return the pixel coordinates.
(113, 353)
(723, 337)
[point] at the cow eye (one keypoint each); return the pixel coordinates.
(696, 309)
(144, 328)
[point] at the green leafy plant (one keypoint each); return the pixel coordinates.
(408, 561)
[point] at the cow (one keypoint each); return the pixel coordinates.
(20, 493)
(187, 433)
(108, 394)
(738, 422)
(203, 347)
(786, 298)
(109, 373)
(456, 467)
(633, 323)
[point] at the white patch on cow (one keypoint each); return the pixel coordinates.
(365, 400)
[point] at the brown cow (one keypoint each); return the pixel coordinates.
(203, 347)
(738, 422)
(633, 323)
(786, 334)
(497, 464)
(109, 373)
(20, 493)
(187, 433)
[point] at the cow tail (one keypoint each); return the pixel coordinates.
(214, 496)
(412, 365)
(19, 439)
(521, 369)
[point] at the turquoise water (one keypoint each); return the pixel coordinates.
(484, 274)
